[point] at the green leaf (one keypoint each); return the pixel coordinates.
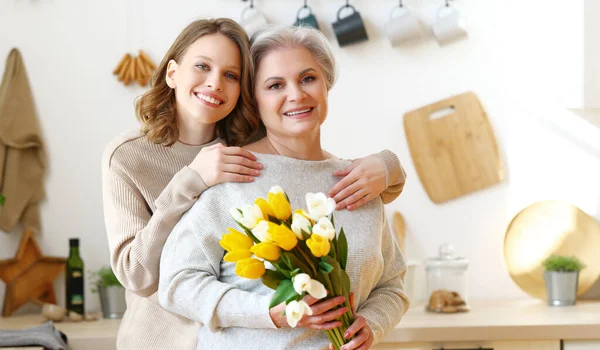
(252, 236)
(305, 235)
(2, 199)
(335, 275)
(342, 249)
(272, 279)
(325, 267)
(283, 293)
(295, 297)
(274, 220)
(282, 270)
(332, 220)
(297, 263)
(286, 260)
(345, 284)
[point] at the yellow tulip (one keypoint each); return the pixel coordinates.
(319, 246)
(268, 251)
(235, 240)
(305, 214)
(284, 237)
(237, 255)
(265, 207)
(280, 205)
(250, 268)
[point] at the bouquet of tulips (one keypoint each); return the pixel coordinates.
(295, 253)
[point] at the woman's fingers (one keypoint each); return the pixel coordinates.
(243, 161)
(326, 305)
(352, 200)
(231, 177)
(326, 317)
(239, 169)
(356, 326)
(238, 151)
(348, 190)
(360, 339)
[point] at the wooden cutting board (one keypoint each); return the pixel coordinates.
(399, 229)
(455, 154)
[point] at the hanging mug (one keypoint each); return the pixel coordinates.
(403, 28)
(252, 20)
(309, 20)
(350, 29)
(449, 26)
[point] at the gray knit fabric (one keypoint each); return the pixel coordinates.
(197, 284)
(45, 335)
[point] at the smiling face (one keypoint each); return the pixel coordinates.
(206, 80)
(291, 92)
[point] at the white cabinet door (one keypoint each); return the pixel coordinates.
(496, 345)
(582, 344)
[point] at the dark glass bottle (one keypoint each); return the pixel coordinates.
(74, 279)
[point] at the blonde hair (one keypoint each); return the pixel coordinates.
(157, 111)
(276, 36)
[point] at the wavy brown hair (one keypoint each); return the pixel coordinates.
(157, 108)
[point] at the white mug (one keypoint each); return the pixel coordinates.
(403, 28)
(449, 26)
(252, 20)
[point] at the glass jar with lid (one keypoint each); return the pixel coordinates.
(447, 281)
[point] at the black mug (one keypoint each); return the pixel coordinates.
(309, 20)
(350, 29)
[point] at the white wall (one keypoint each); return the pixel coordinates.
(523, 58)
(592, 55)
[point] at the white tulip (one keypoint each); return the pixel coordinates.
(249, 216)
(295, 310)
(303, 283)
(299, 223)
(261, 231)
(324, 228)
(276, 189)
(319, 205)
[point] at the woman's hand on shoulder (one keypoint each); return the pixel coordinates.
(218, 163)
(362, 180)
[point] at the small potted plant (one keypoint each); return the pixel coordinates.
(112, 293)
(562, 277)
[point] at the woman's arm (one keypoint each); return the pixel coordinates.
(135, 235)
(387, 302)
(190, 268)
(379, 174)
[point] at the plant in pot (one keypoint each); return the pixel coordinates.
(112, 293)
(562, 276)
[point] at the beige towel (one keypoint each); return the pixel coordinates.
(22, 160)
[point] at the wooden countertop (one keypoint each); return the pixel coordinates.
(487, 320)
(92, 335)
(501, 320)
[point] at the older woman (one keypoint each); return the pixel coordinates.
(295, 70)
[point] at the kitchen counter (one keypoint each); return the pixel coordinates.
(500, 320)
(487, 320)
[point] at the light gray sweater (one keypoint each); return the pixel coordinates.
(196, 283)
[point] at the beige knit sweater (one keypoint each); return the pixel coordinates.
(146, 189)
(234, 312)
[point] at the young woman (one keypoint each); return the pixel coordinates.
(200, 101)
(295, 71)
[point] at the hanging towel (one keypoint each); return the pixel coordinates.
(22, 159)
